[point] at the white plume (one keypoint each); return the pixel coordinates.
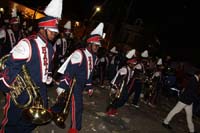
(54, 9)
(98, 30)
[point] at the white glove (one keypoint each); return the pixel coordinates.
(90, 92)
(60, 90)
(49, 80)
(113, 91)
(62, 60)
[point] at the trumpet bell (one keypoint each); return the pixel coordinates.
(37, 115)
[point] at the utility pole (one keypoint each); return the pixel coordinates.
(130, 5)
(97, 9)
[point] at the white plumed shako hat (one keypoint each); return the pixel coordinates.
(159, 62)
(14, 18)
(130, 56)
(67, 27)
(96, 35)
(53, 12)
(145, 54)
(113, 50)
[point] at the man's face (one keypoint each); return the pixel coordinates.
(145, 62)
(15, 27)
(131, 65)
(67, 34)
(51, 35)
(94, 48)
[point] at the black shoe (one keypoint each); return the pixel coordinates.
(166, 126)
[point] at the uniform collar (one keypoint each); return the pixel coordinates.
(88, 52)
(42, 38)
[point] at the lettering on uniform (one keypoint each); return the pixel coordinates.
(90, 64)
(45, 63)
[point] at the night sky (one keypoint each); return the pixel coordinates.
(172, 20)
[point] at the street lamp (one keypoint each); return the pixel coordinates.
(97, 9)
(1, 10)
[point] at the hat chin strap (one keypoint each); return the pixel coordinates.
(45, 29)
(89, 48)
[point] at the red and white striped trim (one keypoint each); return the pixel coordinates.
(5, 112)
(73, 112)
(6, 84)
(14, 21)
(94, 39)
(49, 23)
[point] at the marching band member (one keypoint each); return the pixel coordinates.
(69, 38)
(61, 45)
(36, 53)
(120, 83)
(79, 66)
(113, 63)
(102, 66)
(137, 80)
(156, 79)
(11, 35)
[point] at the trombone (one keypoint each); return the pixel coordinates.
(59, 118)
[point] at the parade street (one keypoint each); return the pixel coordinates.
(99, 66)
(129, 119)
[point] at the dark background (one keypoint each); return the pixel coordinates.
(174, 21)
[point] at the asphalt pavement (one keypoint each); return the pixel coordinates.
(129, 119)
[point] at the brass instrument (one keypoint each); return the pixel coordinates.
(33, 109)
(59, 118)
(115, 92)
